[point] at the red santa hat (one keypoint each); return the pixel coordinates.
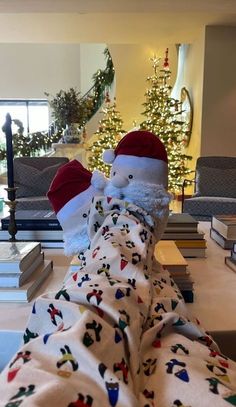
(73, 187)
(140, 149)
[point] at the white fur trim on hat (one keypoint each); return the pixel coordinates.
(108, 156)
(75, 243)
(98, 180)
(72, 206)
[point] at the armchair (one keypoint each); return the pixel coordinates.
(214, 188)
(33, 176)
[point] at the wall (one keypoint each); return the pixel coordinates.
(28, 70)
(91, 59)
(219, 92)
(133, 66)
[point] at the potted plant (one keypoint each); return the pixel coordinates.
(70, 113)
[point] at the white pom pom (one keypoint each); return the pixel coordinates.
(98, 180)
(108, 156)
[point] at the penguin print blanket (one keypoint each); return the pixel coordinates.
(117, 333)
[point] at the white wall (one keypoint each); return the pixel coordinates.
(29, 70)
(219, 92)
(91, 59)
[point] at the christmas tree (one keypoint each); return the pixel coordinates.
(164, 118)
(108, 135)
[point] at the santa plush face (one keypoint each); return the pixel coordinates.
(127, 169)
(141, 178)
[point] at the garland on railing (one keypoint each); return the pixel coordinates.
(37, 142)
(30, 145)
(103, 80)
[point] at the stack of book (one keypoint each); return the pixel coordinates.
(223, 230)
(231, 260)
(22, 270)
(183, 229)
(35, 225)
(169, 256)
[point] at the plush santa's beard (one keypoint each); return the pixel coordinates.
(153, 198)
(75, 243)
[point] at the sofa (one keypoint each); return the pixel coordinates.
(214, 188)
(33, 176)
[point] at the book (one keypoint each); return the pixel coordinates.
(16, 257)
(34, 235)
(18, 279)
(231, 263)
(181, 222)
(193, 252)
(221, 240)
(27, 290)
(33, 219)
(191, 243)
(188, 295)
(167, 254)
(225, 225)
(197, 235)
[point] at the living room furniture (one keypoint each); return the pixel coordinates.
(214, 188)
(33, 176)
(214, 301)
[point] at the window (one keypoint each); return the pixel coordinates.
(33, 113)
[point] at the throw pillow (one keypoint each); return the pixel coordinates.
(34, 182)
(216, 182)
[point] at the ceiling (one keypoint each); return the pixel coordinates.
(117, 21)
(221, 7)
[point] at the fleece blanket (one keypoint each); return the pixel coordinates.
(117, 333)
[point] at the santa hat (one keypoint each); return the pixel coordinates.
(140, 149)
(73, 187)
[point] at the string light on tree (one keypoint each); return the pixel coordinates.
(164, 118)
(108, 135)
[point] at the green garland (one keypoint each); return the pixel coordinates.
(30, 145)
(103, 80)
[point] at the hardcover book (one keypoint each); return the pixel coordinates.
(193, 251)
(33, 219)
(27, 290)
(168, 255)
(36, 235)
(231, 263)
(197, 235)
(181, 222)
(17, 257)
(221, 240)
(225, 225)
(191, 243)
(19, 278)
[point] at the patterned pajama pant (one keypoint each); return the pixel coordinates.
(118, 332)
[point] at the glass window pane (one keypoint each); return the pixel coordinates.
(38, 118)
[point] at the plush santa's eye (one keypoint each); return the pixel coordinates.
(85, 215)
(131, 176)
(114, 173)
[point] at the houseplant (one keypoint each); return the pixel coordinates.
(70, 113)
